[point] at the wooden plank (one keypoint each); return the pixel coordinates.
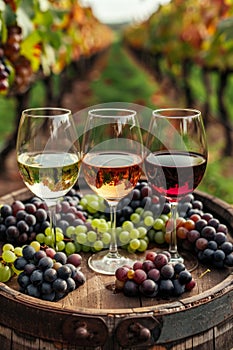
(21, 341)
(223, 334)
(5, 338)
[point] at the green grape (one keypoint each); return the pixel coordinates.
(159, 224)
(83, 202)
(81, 238)
(35, 245)
(8, 246)
(93, 207)
(40, 237)
(147, 213)
(159, 237)
(143, 245)
(91, 236)
(135, 218)
(8, 256)
(127, 225)
(124, 237)
(78, 247)
(86, 248)
(164, 217)
(70, 248)
(18, 251)
(134, 233)
(148, 221)
(5, 273)
(103, 227)
(134, 244)
(95, 223)
(106, 238)
(80, 229)
(48, 240)
(70, 231)
(48, 231)
(59, 236)
(142, 231)
(98, 245)
(61, 246)
(150, 234)
(139, 210)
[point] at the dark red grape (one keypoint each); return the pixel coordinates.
(184, 277)
(167, 271)
(121, 273)
(160, 260)
(149, 288)
(74, 259)
(139, 276)
(166, 288)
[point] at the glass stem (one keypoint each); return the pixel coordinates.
(113, 251)
(52, 216)
(173, 239)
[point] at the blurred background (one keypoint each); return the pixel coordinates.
(154, 53)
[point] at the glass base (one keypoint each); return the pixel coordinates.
(107, 263)
(187, 258)
(176, 258)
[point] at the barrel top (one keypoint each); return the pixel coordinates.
(99, 297)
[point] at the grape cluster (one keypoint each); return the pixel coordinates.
(4, 73)
(14, 67)
(9, 254)
(206, 235)
(83, 224)
(155, 276)
(20, 223)
(47, 274)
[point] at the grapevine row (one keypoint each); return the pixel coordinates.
(183, 36)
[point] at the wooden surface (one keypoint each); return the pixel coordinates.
(200, 319)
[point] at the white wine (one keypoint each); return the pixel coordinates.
(112, 175)
(49, 175)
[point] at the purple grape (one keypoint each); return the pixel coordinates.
(208, 232)
(149, 288)
(167, 271)
(227, 247)
(154, 275)
(184, 277)
(130, 288)
(166, 288)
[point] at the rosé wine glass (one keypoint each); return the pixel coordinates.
(111, 166)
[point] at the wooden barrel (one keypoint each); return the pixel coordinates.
(96, 317)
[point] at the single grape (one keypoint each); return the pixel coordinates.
(74, 259)
(8, 256)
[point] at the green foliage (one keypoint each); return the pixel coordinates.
(123, 81)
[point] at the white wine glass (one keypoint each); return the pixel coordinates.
(111, 166)
(176, 159)
(48, 155)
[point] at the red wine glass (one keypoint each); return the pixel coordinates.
(112, 166)
(176, 159)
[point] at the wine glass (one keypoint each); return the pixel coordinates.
(111, 166)
(176, 159)
(48, 155)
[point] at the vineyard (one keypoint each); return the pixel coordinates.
(191, 44)
(40, 40)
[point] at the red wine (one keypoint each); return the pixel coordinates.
(174, 175)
